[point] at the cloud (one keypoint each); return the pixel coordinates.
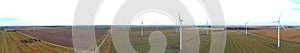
(294, 8)
(34, 12)
(11, 22)
(8, 19)
(296, 1)
(37, 12)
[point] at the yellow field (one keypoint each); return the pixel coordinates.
(10, 43)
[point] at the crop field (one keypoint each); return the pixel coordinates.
(237, 42)
(10, 42)
(141, 44)
(58, 35)
(257, 41)
(288, 35)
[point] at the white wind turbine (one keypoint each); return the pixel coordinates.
(156, 25)
(246, 27)
(161, 26)
(278, 28)
(176, 25)
(130, 28)
(207, 26)
(180, 29)
(142, 28)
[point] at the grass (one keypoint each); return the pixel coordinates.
(141, 44)
(10, 43)
(237, 42)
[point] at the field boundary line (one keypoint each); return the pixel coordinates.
(2, 44)
(6, 46)
(102, 42)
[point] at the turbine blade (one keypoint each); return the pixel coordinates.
(179, 19)
(283, 28)
(142, 20)
(274, 22)
(279, 16)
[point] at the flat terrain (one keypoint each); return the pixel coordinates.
(57, 35)
(260, 40)
(237, 42)
(288, 35)
(141, 44)
(10, 43)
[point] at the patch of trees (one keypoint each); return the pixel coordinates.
(240, 28)
(11, 30)
(290, 27)
(30, 41)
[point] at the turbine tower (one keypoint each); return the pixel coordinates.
(246, 28)
(176, 25)
(161, 26)
(156, 25)
(207, 26)
(142, 28)
(278, 28)
(130, 28)
(238, 27)
(180, 29)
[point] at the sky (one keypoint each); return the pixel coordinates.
(61, 12)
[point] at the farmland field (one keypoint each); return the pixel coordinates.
(288, 35)
(58, 35)
(141, 44)
(237, 42)
(257, 41)
(10, 43)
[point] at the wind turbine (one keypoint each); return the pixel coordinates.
(207, 26)
(176, 28)
(238, 27)
(156, 26)
(161, 26)
(278, 28)
(129, 27)
(246, 28)
(180, 29)
(142, 30)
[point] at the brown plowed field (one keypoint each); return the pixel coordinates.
(57, 35)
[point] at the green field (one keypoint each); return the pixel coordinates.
(141, 44)
(237, 42)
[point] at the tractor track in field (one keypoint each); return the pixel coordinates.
(5, 43)
(13, 43)
(240, 43)
(1, 41)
